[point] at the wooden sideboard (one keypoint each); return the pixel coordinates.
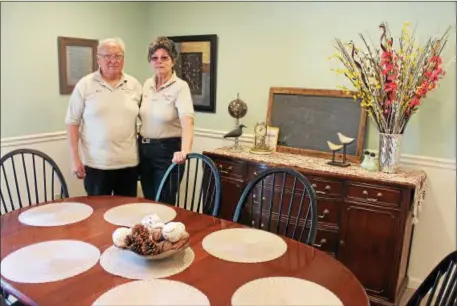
(365, 219)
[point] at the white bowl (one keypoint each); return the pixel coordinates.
(161, 255)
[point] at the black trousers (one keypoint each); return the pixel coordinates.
(121, 182)
(155, 158)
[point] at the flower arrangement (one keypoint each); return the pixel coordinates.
(389, 83)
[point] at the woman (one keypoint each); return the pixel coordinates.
(167, 121)
(101, 116)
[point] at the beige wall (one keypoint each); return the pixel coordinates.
(287, 44)
(30, 99)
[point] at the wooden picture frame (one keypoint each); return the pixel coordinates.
(357, 157)
(196, 64)
(272, 137)
(77, 57)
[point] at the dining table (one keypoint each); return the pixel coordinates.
(216, 278)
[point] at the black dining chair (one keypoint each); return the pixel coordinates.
(440, 286)
(29, 177)
(282, 201)
(202, 191)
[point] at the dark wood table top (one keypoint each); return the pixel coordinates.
(216, 278)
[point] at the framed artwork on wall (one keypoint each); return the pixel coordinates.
(77, 58)
(196, 64)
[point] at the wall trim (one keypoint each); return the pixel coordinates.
(29, 139)
(407, 159)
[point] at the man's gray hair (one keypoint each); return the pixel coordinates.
(115, 40)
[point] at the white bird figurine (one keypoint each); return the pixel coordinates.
(344, 139)
(334, 147)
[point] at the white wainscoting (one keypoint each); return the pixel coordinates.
(434, 237)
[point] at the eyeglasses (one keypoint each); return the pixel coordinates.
(162, 58)
(117, 57)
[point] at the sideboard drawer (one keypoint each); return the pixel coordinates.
(228, 169)
(326, 241)
(374, 194)
(325, 188)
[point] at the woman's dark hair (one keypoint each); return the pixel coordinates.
(163, 42)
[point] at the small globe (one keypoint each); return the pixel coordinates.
(237, 108)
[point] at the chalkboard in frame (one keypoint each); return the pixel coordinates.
(308, 118)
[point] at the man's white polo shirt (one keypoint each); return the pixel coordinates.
(107, 119)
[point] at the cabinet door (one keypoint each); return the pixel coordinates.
(231, 193)
(367, 246)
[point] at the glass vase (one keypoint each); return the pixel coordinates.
(389, 152)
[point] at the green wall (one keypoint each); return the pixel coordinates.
(30, 98)
(260, 45)
(287, 44)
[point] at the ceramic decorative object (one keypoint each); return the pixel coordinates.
(345, 141)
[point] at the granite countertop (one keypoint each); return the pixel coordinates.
(406, 177)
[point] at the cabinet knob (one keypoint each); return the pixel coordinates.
(324, 213)
(379, 194)
(314, 186)
(365, 192)
(322, 242)
(328, 187)
(342, 243)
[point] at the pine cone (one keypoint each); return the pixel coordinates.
(129, 240)
(141, 231)
(149, 248)
(136, 245)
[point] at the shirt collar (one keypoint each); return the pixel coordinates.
(173, 79)
(98, 77)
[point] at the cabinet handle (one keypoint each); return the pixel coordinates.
(365, 193)
(225, 172)
(320, 192)
(324, 213)
(322, 242)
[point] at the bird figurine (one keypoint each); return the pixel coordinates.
(236, 132)
(344, 139)
(334, 147)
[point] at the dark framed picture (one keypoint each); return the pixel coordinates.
(196, 64)
(77, 58)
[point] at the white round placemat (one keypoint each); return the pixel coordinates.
(49, 261)
(284, 291)
(56, 214)
(244, 245)
(124, 263)
(131, 214)
(155, 292)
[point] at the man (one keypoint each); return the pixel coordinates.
(102, 114)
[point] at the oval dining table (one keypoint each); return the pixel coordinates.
(216, 278)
